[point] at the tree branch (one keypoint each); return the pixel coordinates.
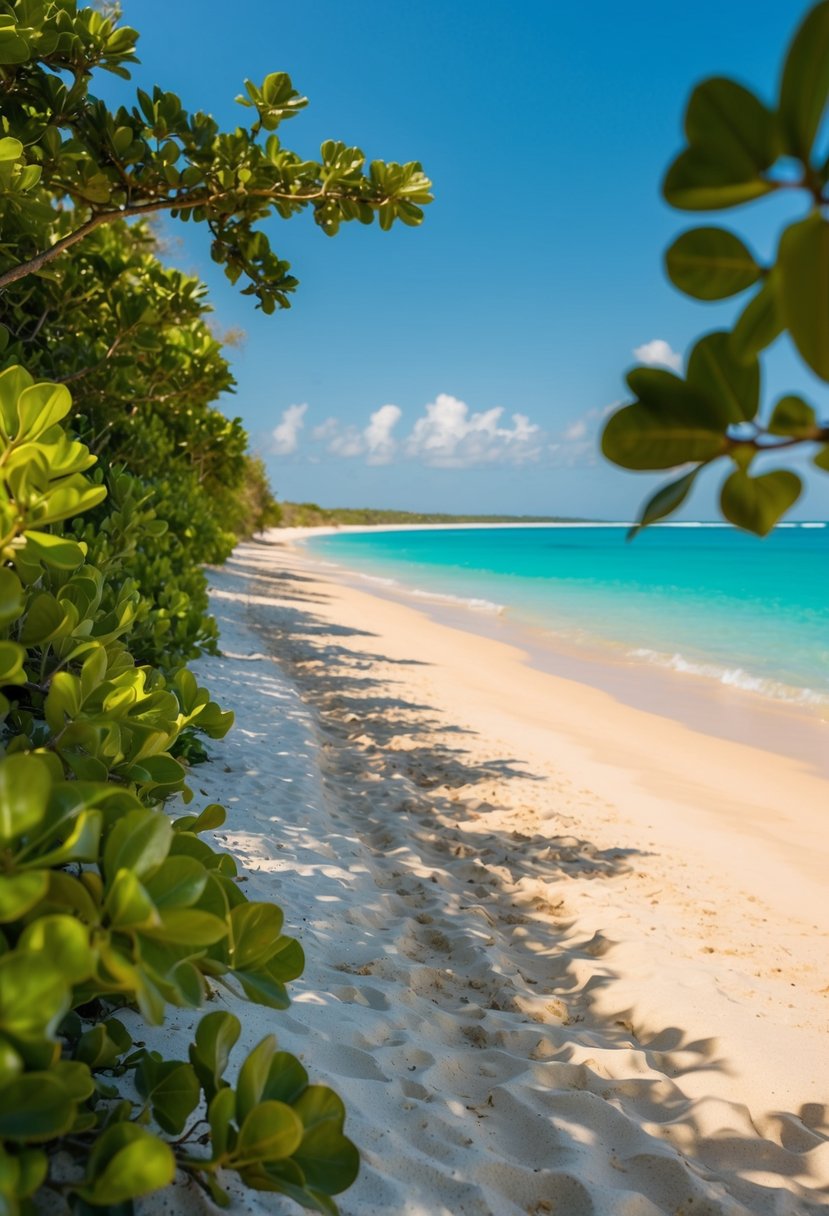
(22, 269)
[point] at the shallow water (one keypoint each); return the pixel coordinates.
(700, 600)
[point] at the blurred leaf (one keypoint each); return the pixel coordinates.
(792, 416)
(757, 503)
(711, 264)
(716, 373)
(25, 785)
(760, 322)
(805, 83)
(665, 501)
(803, 260)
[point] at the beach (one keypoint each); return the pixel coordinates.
(565, 954)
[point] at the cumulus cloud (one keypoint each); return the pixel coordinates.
(449, 435)
(658, 353)
(446, 434)
(285, 436)
(379, 441)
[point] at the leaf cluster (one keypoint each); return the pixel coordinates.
(119, 478)
(154, 156)
(104, 901)
(738, 150)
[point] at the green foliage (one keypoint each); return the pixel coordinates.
(104, 902)
(119, 479)
(153, 156)
(739, 149)
(310, 515)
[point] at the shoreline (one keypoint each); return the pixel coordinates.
(793, 729)
(539, 981)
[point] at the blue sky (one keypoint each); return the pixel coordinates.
(545, 127)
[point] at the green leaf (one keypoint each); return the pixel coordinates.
(711, 264)
(253, 1076)
(139, 842)
(760, 322)
(212, 817)
(62, 938)
(41, 406)
(665, 501)
(12, 658)
(269, 1132)
(715, 372)
(220, 1113)
(11, 596)
(81, 844)
(696, 183)
(757, 503)
(256, 928)
(34, 995)
(792, 416)
(216, 1035)
(128, 905)
(127, 1162)
(803, 260)
(44, 620)
(56, 551)
(160, 770)
(672, 423)
(10, 149)
(177, 883)
(35, 1108)
(731, 125)
(20, 892)
(805, 83)
(172, 1089)
(329, 1160)
(189, 926)
(263, 988)
(25, 785)
(821, 460)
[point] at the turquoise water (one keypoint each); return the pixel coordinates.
(707, 601)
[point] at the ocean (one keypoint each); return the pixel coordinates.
(703, 600)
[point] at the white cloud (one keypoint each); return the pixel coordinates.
(379, 441)
(660, 353)
(325, 430)
(285, 436)
(346, 443)
(449, 436)
(575, 431)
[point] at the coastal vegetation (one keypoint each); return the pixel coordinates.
(119, 479)
(740, 150)
(309, 515)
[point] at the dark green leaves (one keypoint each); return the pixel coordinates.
(665, 501)
(171, 1089)
(757, 503)
(732, 140)
(674, 421)
(792, 416)
(734, 386)
(760, 322)
(711, 264)
(805, 83)
(804, 290)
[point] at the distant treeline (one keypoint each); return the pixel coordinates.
(310, 515)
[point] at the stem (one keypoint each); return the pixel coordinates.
(166, 204)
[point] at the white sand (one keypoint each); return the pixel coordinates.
(563, 956)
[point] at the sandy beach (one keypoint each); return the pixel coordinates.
(564, 955)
